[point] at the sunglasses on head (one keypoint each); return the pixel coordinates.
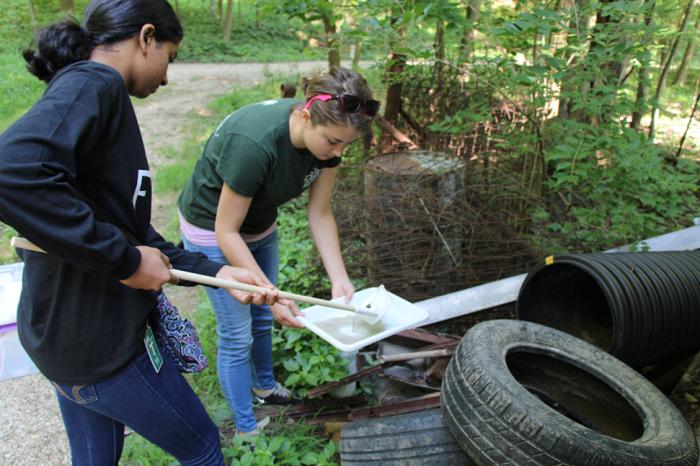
(348, 102)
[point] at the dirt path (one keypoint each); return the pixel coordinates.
(30, 426)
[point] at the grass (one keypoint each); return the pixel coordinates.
(270, 38)
(18, 88)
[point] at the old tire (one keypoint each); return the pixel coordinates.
(412, 439)
(581, 405)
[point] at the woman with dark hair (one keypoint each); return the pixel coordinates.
(84, 306)
(260, 157)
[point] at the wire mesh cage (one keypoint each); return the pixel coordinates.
(428, 223)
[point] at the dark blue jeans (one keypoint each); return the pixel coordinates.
(161, 407)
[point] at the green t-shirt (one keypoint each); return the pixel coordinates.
(251, 151)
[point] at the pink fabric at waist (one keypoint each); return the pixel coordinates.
(203, 237)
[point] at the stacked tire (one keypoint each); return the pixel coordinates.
(521, 393)
(412, 439)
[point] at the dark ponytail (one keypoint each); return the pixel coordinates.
(57, 46)
(105, 22)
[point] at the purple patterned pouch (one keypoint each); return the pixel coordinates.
(177, 337)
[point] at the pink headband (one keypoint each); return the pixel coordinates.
(321, 97)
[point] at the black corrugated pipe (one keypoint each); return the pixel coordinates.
(642, 308)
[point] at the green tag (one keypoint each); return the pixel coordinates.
(152, 348)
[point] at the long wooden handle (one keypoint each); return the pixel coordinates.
(23, 243)
(212, 281)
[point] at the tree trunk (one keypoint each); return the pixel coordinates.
(579, 26)
(67, 6)
(220, 10)
(393, 91)
(556, 41)
(612, 71)
(356, 51)
(229, 20)
(439, 45)
(32, 16)
(329, 31)
(690, 120)
(439, 48)
(606, 73)
(257, 15)
(473, 11)
(664, 71)
(397, 63)
(682, 75)
(643, 77)
(212, 8)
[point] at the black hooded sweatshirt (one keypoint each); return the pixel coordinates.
(75, 319)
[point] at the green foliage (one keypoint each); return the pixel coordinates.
(251, 36)
(140, 452)
(300, 269)
(203, 42)
(7, 254)
(640, 246)
(601, 183)
(311, 10)
(295, 444)
(304, 361)
(18, 88)
(617, 187)
(290, 445)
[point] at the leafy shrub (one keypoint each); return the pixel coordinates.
(616, 187)
(292, 445)
(304, 361)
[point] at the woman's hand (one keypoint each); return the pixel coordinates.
(342, 288)
(239, 274)
(285, 311)
(153, 270)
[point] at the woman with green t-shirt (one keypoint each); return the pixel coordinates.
(260, 157)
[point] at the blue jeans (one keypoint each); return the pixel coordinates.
(244, 332)
(161, 407)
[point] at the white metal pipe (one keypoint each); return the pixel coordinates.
(499, 292)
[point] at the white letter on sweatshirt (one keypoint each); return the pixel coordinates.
(138, 192)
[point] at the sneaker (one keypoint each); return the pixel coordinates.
(251, 435)
(248, 439)
(276, 396)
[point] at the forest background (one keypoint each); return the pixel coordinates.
(574, 120)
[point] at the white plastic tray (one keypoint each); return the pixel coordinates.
(336, 326)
